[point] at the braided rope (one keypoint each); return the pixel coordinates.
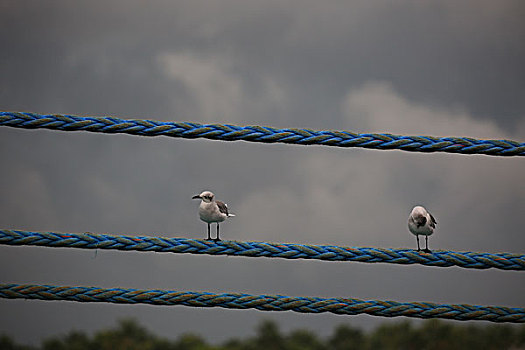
(339, 306)
(473, 260)
(224, 132)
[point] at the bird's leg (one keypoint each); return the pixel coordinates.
(417, 240)
(426, 249)
(218, 238)
(209, 237)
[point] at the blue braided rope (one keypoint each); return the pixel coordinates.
(225, 132)
(339, 306)
(473, 260)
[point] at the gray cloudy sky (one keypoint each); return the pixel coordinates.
(447, 68)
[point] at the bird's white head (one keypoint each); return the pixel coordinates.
(418, 211)
(206, 196)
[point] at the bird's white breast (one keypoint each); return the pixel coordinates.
(209, 212)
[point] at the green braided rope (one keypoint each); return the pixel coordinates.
(339, 306)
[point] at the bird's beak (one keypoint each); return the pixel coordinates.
(196, 197)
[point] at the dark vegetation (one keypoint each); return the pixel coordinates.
(432, 334)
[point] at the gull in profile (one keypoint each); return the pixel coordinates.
(211, 210)
(421, 222)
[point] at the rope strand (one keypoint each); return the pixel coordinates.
(339, 306)
(226, 132)
(438, 258)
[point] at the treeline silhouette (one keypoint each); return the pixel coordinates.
(428, 335)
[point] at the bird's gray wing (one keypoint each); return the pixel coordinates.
(433, 221)
(421, 221)
(222, 207)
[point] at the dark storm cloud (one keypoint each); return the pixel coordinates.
(77, 55)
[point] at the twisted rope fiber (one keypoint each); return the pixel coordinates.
(473, 260)
(339, 306)
(227, 132)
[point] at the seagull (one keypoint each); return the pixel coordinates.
(421, 222)
(211, 210)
